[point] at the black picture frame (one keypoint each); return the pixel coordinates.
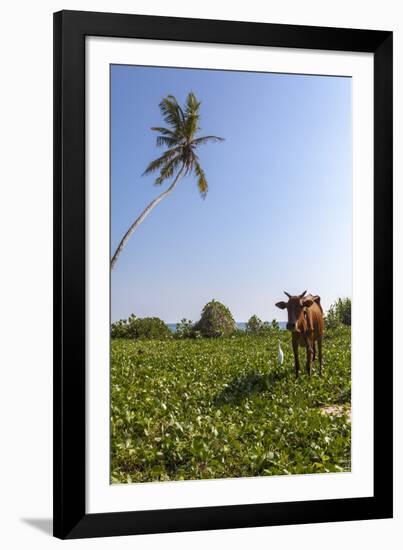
(70, 517)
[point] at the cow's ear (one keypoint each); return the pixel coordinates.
(281, 305)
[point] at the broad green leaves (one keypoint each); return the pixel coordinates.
(214, 408)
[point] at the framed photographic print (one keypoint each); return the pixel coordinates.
(223, 274)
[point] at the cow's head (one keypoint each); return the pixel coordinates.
(295, 309)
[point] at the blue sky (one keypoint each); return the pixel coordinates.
(278, 214)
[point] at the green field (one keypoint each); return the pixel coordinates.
(214, 408)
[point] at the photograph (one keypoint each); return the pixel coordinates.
(231, 274)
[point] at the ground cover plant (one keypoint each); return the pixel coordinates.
(198, 408)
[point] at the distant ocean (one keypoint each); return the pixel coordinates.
(241, 326)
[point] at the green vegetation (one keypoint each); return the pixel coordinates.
(339, 313)
(184, 329)
(254, 325)
(216, 320)
(257, 326)
(150, 328)
(222, 407)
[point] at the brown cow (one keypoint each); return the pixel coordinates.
(305, 321)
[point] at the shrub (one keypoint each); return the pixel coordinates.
(254, 325)
(216, 320)
(150, 328)
(184, 329)
(119, 329)
(339, 313)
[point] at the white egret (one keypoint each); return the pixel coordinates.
(280, 356)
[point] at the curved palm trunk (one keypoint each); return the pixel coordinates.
(143, 215)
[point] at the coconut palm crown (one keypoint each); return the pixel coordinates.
(181, 140)
(180, 158)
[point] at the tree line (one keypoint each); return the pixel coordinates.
(216, 321)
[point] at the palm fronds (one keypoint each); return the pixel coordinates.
(201, 180)
(181, 141)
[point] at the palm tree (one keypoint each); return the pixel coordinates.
(179, 159)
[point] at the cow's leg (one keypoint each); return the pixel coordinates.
(320, 355)
(313, 351)
(296, 358)
(309, 352)
(308, 357)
